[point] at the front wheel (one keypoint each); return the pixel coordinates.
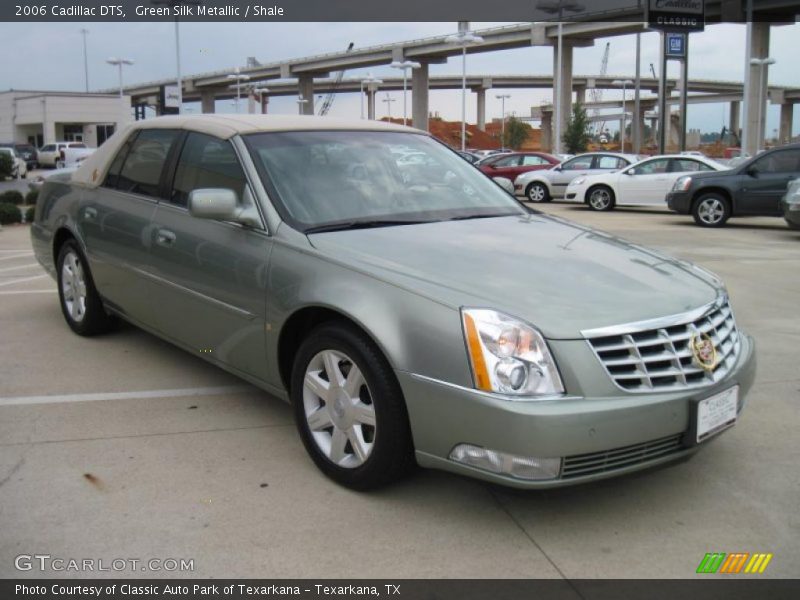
(80, 302)
(537, 192)
(349, 408)
(711, 210)
(600, 198)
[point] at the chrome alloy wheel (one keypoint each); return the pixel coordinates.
(338, 408)
(600, 199)
(73, 286)
(710, 211)
(536, 192)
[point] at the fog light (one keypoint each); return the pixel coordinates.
(520, 467)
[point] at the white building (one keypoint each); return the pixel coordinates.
(39, 118)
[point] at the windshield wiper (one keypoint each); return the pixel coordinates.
(362, 224)
(465, 217)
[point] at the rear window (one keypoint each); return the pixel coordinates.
(77, 145)
(143, 163)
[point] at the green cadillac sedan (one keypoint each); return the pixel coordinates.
(411, 311)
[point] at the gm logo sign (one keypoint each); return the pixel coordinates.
(675, 45)
(734, 563)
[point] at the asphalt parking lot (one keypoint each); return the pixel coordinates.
(126, 447)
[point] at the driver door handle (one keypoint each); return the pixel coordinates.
(89, 213)
(164, 237)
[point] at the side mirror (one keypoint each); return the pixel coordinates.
(557, 168)
(630, 172)
(505, 183)
(222, 205)
(752, 171)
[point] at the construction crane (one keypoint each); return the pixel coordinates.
(597, 93)
(328, 101)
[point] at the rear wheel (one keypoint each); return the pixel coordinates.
(80, 302)
(600, 198)
(537, 192)
(711, 210)
(349, 408)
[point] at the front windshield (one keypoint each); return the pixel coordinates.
(325, 179)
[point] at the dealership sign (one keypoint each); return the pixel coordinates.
(676, 15)
(170, 100)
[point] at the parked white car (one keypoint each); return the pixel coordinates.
(645, 183)
(20, 168)
(542, 186)
(62, 154)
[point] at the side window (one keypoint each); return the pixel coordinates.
(533, 160)
(48, 148)
(112, 175)
(609, 162)
(508, 161)
(783, 161)
(576, 164)
(206, 162)
(141, 171)
(652, 167)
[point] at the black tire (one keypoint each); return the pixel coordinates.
(92, 319)
(537, 192)
(711, 210)
(600, 198)
(392, 453)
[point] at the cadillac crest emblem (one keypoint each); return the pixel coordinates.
(703, 351)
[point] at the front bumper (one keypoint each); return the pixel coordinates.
(680, 202)
(646, 428)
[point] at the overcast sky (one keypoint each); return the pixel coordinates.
(50, 56)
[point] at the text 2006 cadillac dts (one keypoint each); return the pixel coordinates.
(410, 310)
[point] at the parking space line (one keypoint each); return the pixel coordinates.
(28, 266)
(16, 292)
(23, 280)
(141, 395)
(26, 255)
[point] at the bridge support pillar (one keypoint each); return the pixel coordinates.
(371, 93)
(754, 94)
(481, 95)
(207, 102)
(546, 140)
(785, 131)
(580, 95)
(734, 123)
(419, 97)
(305, 85)
(564, 90)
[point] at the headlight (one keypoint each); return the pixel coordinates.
(682, 184)
(578, 181)
(509, 357)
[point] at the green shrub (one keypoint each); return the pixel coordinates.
(6, 165)
(9, 213)
(31, 197)
(29, 214)
(12, 197)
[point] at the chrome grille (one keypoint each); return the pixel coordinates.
(660, 358)
(582, 465)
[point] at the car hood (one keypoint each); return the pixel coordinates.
(558, 276)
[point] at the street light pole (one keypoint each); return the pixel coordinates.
(300, 102)
(405, 66)
(84, 33)
(558, 7)
(502, 98)
(762, 64)
(389, 101)
(239, 77)
(464, 38)
(624, 83)
(119, 62)
(260, 91)
(173, 4)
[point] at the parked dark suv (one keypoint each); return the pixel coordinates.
(25, 151)
(752, 188)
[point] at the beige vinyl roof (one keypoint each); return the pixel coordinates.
(92, 171)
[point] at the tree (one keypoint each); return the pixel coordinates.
(516, 133)
(576, 137)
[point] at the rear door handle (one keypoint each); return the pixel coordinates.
(164, 237)
(89, 213)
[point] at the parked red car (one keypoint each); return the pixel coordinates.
(512, 165)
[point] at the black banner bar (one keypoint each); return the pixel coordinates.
(732, 588)
(371, 10)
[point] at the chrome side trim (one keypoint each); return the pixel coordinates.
(229, 307)
(657, 323)
(491, 395)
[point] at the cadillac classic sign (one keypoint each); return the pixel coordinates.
(676, 15)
